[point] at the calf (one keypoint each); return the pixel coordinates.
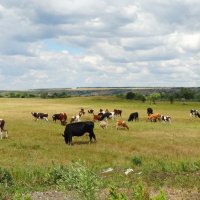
(40, 116)
(78, 129)
(133, 116)
(121, 123)
(3, 132)
(166, 118)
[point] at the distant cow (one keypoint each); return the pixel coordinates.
(166, 118)
(3, 132)
(117, 112)
(106, 116)
(40, 116)
(79, 129)
(62, 117)
(121, 123)
(82, 112)
(91, 111)
(96, 117)
(103, 124)
(154, 117)
(194, 113)
(149, 111)
(133, 116)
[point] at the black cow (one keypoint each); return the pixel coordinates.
(194, 113)
(133, 116)
(149, 111)
(62, 117)
(78, 129)
(40, 116)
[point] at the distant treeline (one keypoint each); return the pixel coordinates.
(143, 94)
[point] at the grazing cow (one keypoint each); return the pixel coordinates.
(117, 112)
(133, 116)
(154, 117)
(62, 117)
(194, 113)
(96, 117)
(149, 111)
(3, 132)
(103, 124)
(106, 116)
(166, 118)
(79, 129)
(40, 116)
(82, 112)
(91, 111)
(121, 123)
(101, 111)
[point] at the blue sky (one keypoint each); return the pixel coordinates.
(90, 43)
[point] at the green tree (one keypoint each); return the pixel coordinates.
(130, 95)
(154, 97)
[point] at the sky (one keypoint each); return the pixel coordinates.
(92, 43)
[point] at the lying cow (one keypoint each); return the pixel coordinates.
(166, 118)
(121, 123)
(149, 111)
(194, 113)
(79, 129)
(154, 117)
(62, 117)
(3, 132)
(133, 116)
(40, 116)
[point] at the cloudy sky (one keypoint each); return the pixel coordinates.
(81, 43)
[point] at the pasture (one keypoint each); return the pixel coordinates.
(160, 154)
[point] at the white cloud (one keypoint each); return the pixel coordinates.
(58, 43)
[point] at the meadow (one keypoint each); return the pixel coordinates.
(160, 154)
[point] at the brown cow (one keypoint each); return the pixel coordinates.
(3, 132)
(117, 112)
(121, 123)
(96, 117)
(154, 117)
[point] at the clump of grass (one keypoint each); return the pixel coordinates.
(76, 177)
(6, 178)
(137, 160)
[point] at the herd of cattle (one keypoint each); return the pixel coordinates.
(76, 127)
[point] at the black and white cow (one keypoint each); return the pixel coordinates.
(166, 118)
(194, 113)
(133, 116)
(149, 111)
(107, 115)
(79, 129)
(40, 116)
(3, 132)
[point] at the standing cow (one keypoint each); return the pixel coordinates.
(3, 132)
(149, 111)
(79, 129)
(62, 117)
(40, 116)
(194, 113)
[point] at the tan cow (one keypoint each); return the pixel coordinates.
(154, 117)
(121, 123)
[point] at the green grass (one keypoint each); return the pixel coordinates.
(169, 154)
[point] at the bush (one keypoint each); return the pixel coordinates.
(137, 160)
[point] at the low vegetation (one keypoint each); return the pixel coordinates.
(161, 156)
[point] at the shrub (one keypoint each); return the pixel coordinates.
(137, 160)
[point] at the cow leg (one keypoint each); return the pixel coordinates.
(1, 133)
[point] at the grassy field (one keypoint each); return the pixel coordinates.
(160, 154)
